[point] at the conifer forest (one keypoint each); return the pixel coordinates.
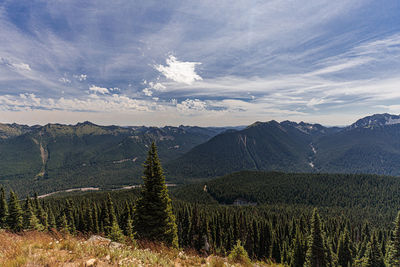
(294, 234)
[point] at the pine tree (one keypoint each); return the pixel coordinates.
(344, 252)
(3, 209)
(114, 232)
(31, 222)
(316, 251)
(276, 250)
(298, 250)
(96, 228)
(52, 219)
(15, 221)
(40, 213)
(129, 227)
(154, 219)
(88, 220)
(394, 246)
(63, 224)
(69, 214)
(374, 256)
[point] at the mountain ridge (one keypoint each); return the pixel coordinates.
(370, 145)
(56, 156)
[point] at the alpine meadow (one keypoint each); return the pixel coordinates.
(200, 133)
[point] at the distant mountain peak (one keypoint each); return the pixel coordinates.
(85, 123)
(376, 120)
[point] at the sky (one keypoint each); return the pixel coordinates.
(206, 63)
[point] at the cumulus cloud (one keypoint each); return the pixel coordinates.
(97, 89)
(153, 86)
(80, 77)
(147, 92)
(191, 105)
(93, 103)
(179, 71)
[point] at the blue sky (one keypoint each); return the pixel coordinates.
(208, 63)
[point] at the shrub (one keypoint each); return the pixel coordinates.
(239, 254)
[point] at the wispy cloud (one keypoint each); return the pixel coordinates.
(226, 63)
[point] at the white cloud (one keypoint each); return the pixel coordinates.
(19, 66)
(191, 105)
(80, 77)
(179, 71)
(157, 86)
(147, 92)
(315, 102)
(340, 66)
(100, 90)
(64, 80)
(93, 103)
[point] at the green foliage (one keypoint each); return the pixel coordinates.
(374, 256)
(371, 194)
(316, 251)
(153, 218)
(56, 157)
(260, 146)
(239, 254)
(30, 221)
(394, 245)
(299, 250)
(113, 230)
(286, 146)
(3, 208)
(15, 220)
(344, 252)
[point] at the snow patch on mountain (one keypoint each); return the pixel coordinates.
(391, 121)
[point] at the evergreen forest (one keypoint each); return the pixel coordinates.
(327, 225)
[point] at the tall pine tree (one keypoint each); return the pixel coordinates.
(394, 246)
(153, 218)
(14, 221)
(114, 232)
(316, 250)
(373, 254)
(344, 252)
(3, 209)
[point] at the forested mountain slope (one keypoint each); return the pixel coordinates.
(370, 145)
(261, 146)
(317, 189)
(55, 156)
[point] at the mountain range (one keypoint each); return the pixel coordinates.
(58, 157)
(370, 145)
(55, 156)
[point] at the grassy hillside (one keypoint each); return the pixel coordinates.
(42, 249)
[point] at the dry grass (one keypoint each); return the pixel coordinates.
(44, 249)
